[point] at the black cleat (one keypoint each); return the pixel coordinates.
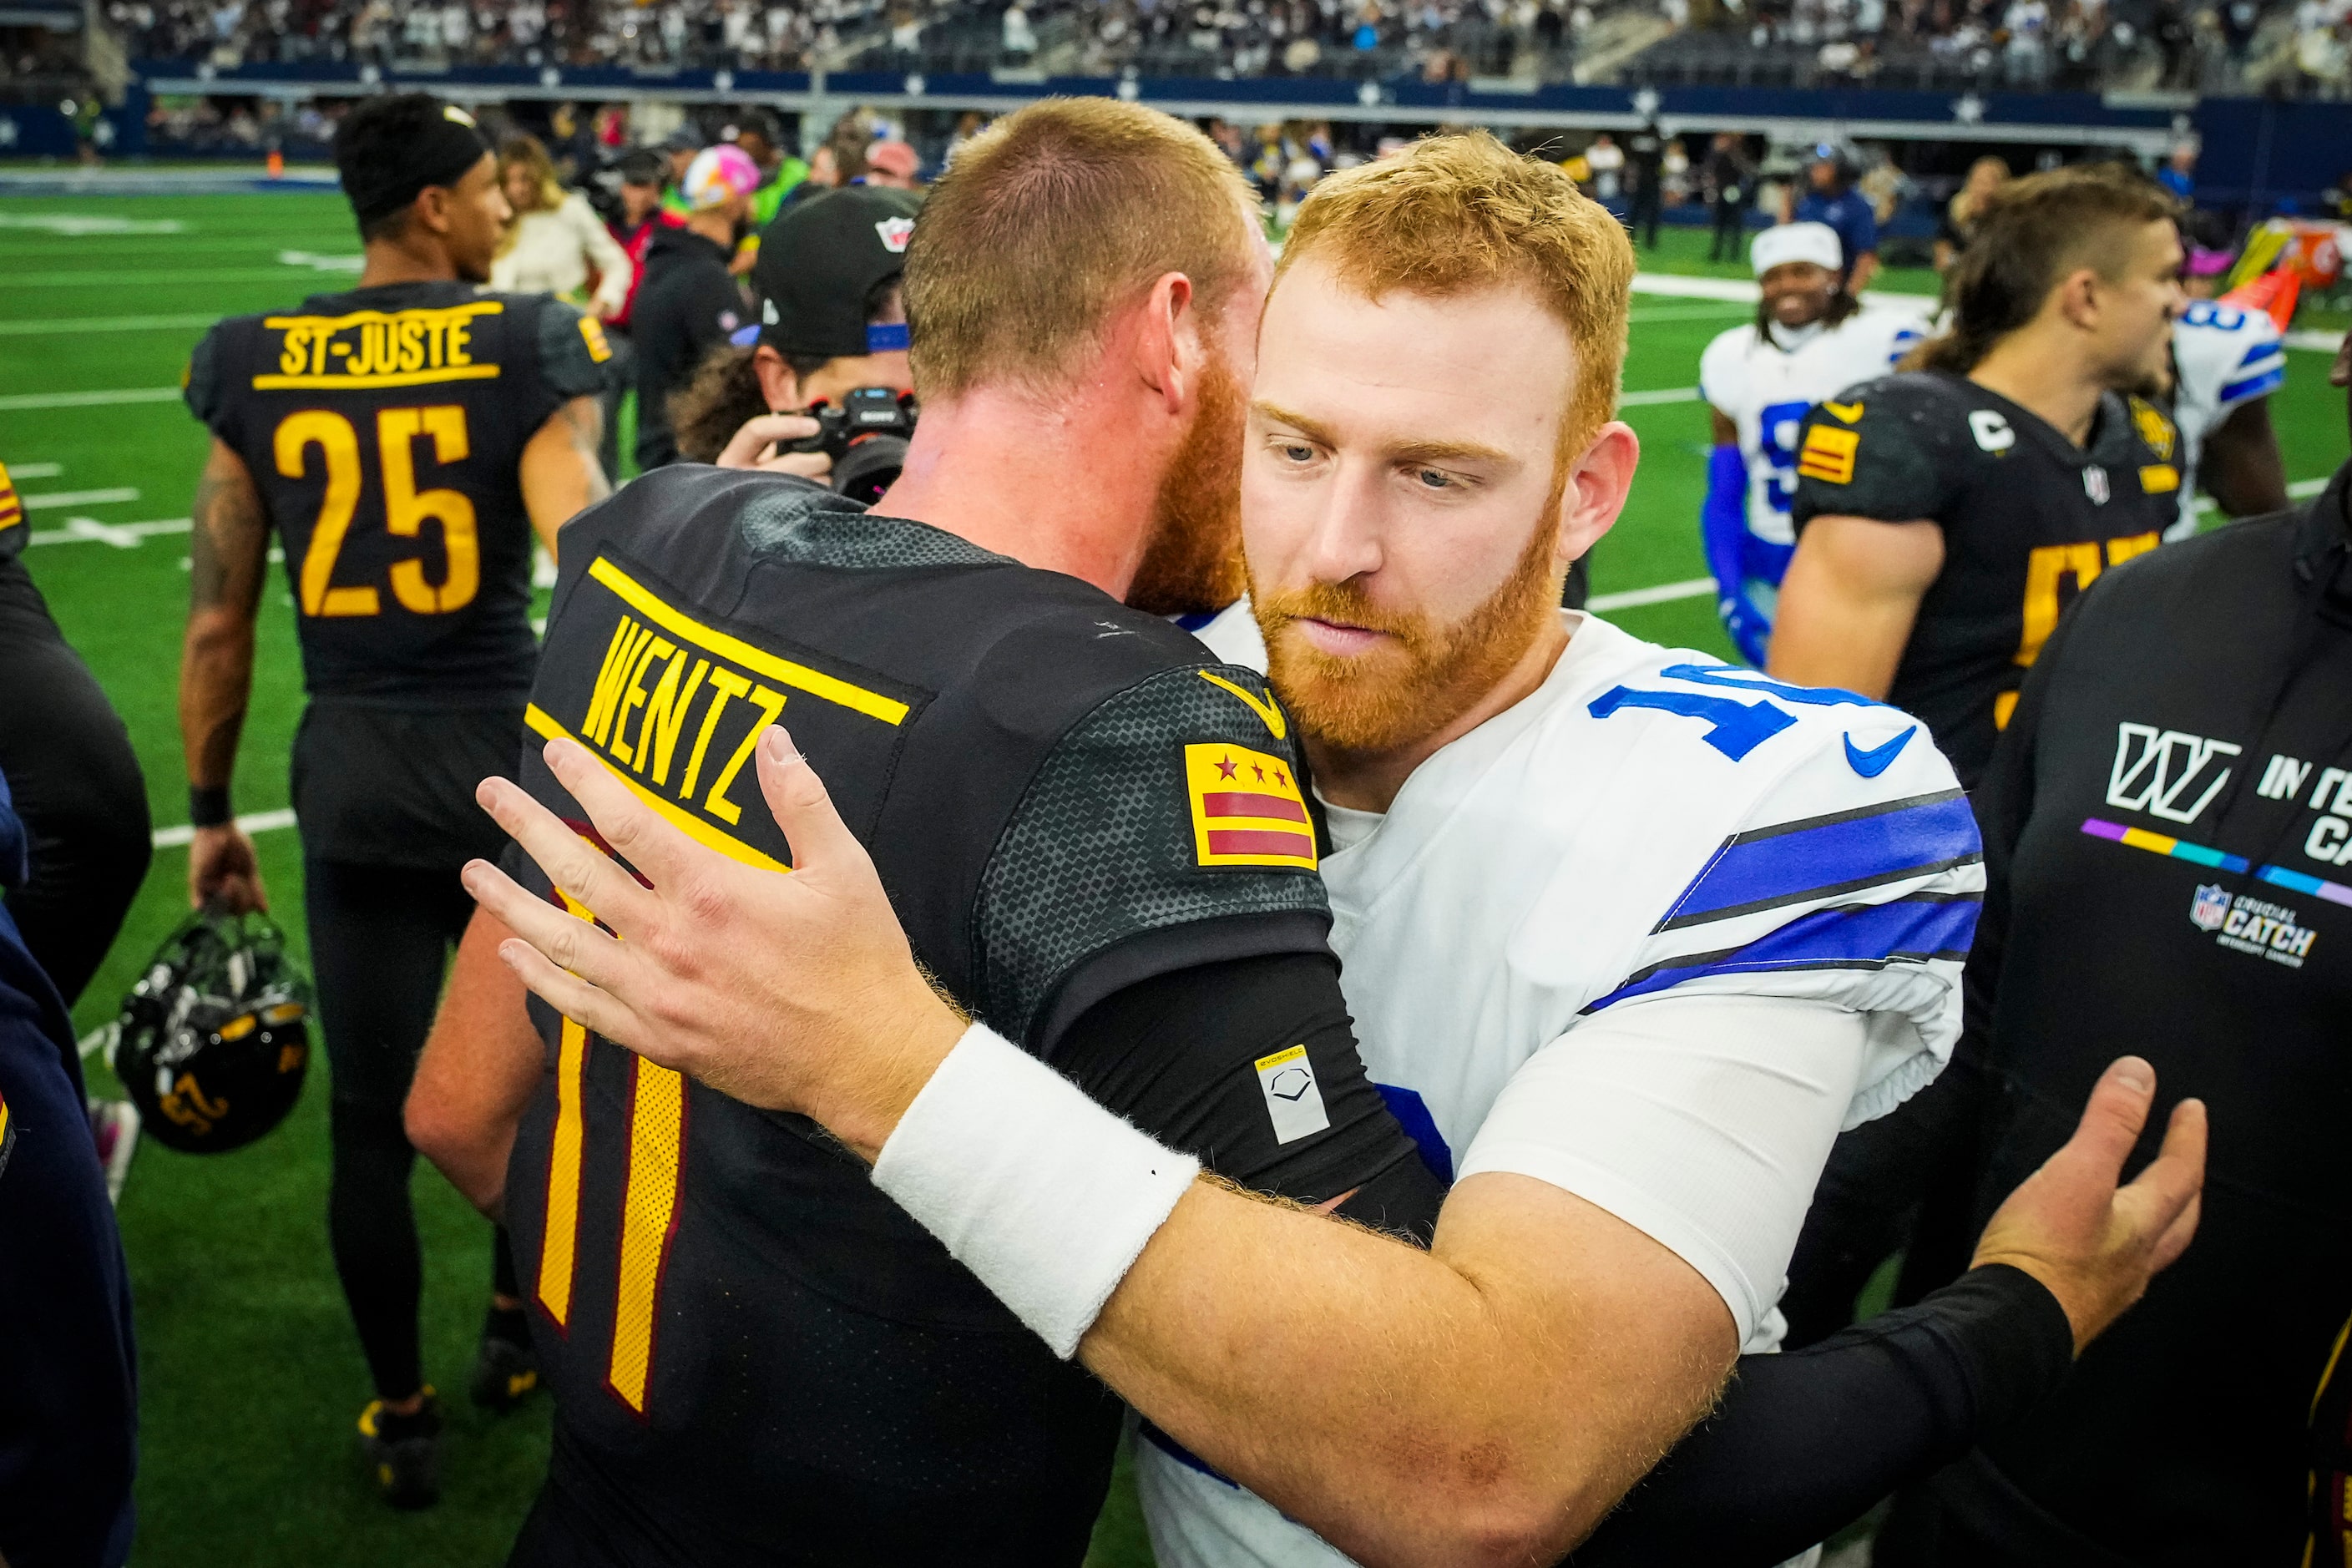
(505, 1372)
(404, 1452)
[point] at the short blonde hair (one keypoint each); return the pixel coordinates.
(1459, 212)
(1053, 219)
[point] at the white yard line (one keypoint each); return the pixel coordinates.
(1666, 394)
(79, 324)
(107, 533)
(255, 822)
(35, 471)
(1665, 592)
(52, 500)
(16, 402)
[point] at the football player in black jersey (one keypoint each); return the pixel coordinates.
(1945, 515)
(404, 441)
(755, 1356)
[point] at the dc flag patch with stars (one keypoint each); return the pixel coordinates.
(1293, 1098)
(1246, 808)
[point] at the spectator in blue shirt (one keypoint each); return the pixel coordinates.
(2178, 175)
(1831, 198)
(68, 1388)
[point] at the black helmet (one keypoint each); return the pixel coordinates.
(213, 1041)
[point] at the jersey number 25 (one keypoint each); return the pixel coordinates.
(405, 507)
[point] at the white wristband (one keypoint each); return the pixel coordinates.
(1045, 1195)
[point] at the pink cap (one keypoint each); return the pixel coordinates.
(717, 175)
(893, 157)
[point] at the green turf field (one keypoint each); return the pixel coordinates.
(250, 1374)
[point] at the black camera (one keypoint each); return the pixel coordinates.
(866, 437)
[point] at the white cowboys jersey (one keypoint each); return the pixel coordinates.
(1650, 823)
(2223, 358)
(1767, 391)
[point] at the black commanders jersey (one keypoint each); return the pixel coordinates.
(2029, 519)
(2168, 838)
(384, 428)
(1098, 840)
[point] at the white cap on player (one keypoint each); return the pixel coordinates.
(1814, 242)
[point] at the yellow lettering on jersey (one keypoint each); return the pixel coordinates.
(648, 1221)
(667, 691)
(543, 723)
(1848, 412)
(1246, 808)
(2122, 550)
(613, 678)
(1266, 709)
(1828, 454)
(559, 1233)
(2003, 705)
(2153, 426)
(2046, 571)
(666, 715)
(759, 661)
(2159, 478)
(373, 349)
(592, 332)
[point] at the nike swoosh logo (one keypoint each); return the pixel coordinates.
(1876, 761)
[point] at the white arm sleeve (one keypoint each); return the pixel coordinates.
(1703, 1120)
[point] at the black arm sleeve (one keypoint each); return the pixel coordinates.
(1178, 1055)
(1804, 1443)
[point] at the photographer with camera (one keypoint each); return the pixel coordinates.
(831, 340)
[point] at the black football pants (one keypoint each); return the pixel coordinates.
(77, 787)
(381, 937)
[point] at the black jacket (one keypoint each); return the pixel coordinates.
(2166, 826)
(688, 305)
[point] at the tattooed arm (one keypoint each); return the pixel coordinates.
(229, 550)
(561, 473)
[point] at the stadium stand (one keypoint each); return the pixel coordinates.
(2303, 48)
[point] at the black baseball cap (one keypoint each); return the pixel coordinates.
(818, 262)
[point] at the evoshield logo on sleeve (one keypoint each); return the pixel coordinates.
(1293, 1099)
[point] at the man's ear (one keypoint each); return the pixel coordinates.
(431, 209)
(1596, 489)
(779, 389)
(2078, 296)
(1169, 352)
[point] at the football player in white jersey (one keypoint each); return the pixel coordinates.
(1809, 341)
(1630, 934)
(2226, 362)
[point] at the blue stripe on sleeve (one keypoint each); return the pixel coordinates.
(1825, 856)
(2256, 385)
(1868, 936)
(2262, 349)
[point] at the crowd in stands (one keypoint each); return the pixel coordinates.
(2189, 46)
(2291, 46)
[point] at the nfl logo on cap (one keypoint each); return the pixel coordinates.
(2211, 907)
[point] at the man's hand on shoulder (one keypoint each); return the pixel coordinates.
(706, 967)
(2093, 1243)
